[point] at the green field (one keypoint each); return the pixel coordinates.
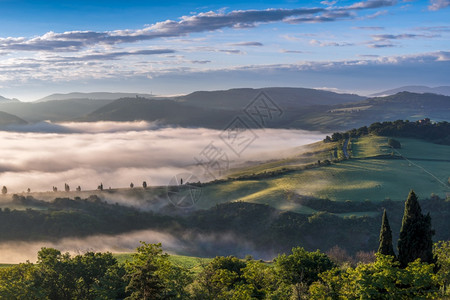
(361, 178)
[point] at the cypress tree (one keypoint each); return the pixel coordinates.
(386, 247)
(415, 235)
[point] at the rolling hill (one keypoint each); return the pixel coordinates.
(441, 90)
(404, 105)
(91, 96)
(7, 100)
(285, 97)
(217, 109)
(9, 119)
(291, 108)
(163, 111)
(270, 207)
(55, 111)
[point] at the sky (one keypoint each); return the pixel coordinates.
(174, 47)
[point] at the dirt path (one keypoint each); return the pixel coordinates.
(344, 148)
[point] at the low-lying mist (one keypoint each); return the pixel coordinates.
(118, 153)
(193, 244)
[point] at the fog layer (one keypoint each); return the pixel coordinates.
(117, 154)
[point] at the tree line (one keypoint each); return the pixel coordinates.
(436, 132)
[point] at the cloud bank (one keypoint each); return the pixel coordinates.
(116, 154)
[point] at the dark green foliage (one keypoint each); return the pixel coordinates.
(301, 268)
(385, 246)
(64, 217)
(150, 275)
(220, 276)
(252, 226)
(382, 279)
(415, 239)
(88, 276)
(4, 190)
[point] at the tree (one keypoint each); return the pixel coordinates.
(131, 185)
(219, 278)
(386, 247)
(4, 190)
(442, 252)
(66, 187)
(144, 184)
(383, 279)
(152, 276)
(415, 239)
(302, 268)
(17, 282)
(100, 187)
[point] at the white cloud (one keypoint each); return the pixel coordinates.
(71, 41)
(438, 4)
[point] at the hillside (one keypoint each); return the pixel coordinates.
(217, 109)
(404, 105)
(7, 100)
(9, 119)
(91, 96)
(441, 90)
(55, 111)
(300, 108)
(316, 199)
(287, 98)
(164, 111)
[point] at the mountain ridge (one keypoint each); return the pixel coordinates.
(90, 96)
(420, 89)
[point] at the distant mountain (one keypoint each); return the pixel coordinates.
(209, 109)
(7, 100)
(92, 96)
(56, 111)
(299, 108)
(217, 109)
(8, 119)
(285, 97)
(441, 90)
(164, 111)
(404, 105)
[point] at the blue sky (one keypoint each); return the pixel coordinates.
(173, 47)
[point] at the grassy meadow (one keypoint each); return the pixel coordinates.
(364, 177)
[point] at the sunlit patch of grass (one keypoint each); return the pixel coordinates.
(368, 146)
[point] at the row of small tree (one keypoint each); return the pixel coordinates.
(78, 188)
(144, 185)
